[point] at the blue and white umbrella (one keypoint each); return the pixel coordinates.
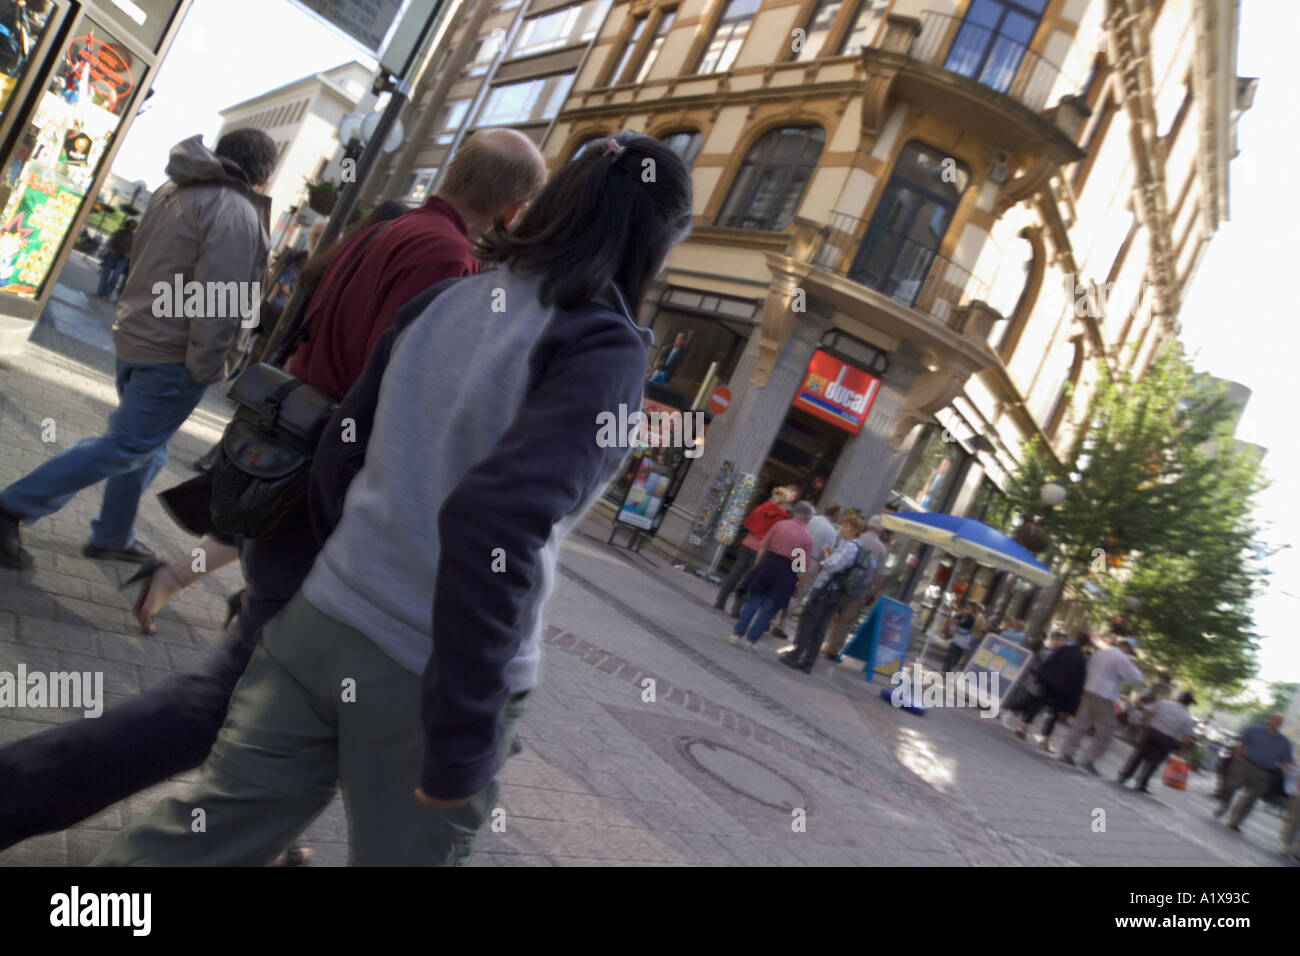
(972, 539)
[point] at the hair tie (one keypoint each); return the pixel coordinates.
(613, 148)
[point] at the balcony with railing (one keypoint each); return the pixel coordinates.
(995, 61)
(897, 266)
(979, 80)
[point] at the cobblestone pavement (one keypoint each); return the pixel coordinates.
(711, 771)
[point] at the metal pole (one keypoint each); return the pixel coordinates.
(471, 114)
(297, 304)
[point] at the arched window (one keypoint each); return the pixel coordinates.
(593, 138)
(685, 143)
(772, 179)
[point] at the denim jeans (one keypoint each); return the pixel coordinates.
(110, 272)
(154, 401)
(755, 616)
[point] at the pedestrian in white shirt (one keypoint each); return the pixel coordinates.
(1168, 727)
(1107, 669)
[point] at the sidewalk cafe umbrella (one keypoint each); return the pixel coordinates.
(972, 539)
(968, 538)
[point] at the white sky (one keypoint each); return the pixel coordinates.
(227, 51)
(1239, 315)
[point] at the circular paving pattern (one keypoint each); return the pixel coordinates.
(741, 773)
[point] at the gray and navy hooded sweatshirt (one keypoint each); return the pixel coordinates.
(483, 455)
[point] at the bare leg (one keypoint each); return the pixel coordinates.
(170, 579)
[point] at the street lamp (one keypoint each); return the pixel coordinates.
(1032, 534)
(1051, 494)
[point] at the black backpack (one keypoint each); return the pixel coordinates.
(856, 579)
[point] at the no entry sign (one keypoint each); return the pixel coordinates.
(720, 400)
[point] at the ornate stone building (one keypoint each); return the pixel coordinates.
(953, 209)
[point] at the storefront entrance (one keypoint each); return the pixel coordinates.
(74, 75)
(803, 455)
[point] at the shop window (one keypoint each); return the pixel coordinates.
(21, 29)
(56, 158)
(728, 36)
(818, 28)
(772, 179)
(685, 144)
(687, 346)
(929, 479)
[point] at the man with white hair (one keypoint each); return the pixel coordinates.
(1107, 669)
(849, 611)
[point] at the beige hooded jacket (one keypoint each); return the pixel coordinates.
(206, 226)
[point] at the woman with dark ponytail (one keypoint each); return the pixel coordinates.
(486, 446)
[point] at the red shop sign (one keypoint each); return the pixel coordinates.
(837, 392)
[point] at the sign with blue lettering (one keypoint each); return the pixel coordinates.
(882, 639)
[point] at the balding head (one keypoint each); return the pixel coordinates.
(494, 175)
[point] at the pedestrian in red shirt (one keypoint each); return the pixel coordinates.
(757, 524)
(492, 178)
(783, 555)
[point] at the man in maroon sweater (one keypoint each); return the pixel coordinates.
(493, 176)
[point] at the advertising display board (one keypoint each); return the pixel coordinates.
(998, 655)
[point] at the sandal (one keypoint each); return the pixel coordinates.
(147, 574)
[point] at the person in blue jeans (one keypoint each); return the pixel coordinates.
(206, 225)
(116, 259)
(783, 555)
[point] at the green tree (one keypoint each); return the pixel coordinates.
(1159, 508)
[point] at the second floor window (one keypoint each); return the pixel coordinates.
(817, 29)
(633, 38)
(685, 144)
(450, 117)
(865, 25)
(772, 179)
(485, 50)
(528, 102)
(656, 44)
(728, 36)
(565, 27)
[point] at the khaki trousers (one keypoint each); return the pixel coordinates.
(293, 735)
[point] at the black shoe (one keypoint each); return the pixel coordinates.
(829, 656)
(135, 553)
(12, 553)
(1091, 768)
(791, 660)
(1142, 790)
(1067, 760)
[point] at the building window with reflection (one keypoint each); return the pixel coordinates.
(772, 179)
